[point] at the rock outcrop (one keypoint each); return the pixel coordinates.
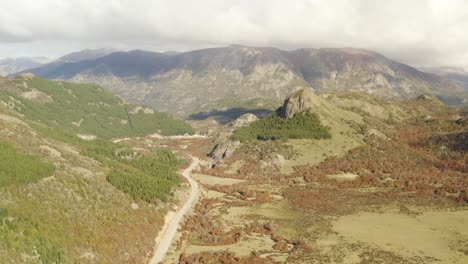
(224, 146)
(223, 150)
(300, 101)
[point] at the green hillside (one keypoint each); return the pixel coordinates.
(85, 109)
(62, 196)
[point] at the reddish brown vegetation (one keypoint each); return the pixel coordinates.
(415, 160)
(208, 231)
(246, 195)
(281, 244)
(224, 257)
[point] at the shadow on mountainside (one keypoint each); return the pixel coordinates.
(227, 115)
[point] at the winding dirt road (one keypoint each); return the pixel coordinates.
(166, 236)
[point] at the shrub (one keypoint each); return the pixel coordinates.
(18, 168)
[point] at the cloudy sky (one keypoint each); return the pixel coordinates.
(417, 32)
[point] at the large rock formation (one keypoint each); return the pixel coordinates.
(300, 101)
(223, 149)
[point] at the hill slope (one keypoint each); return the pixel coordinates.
(84, 109)
(184, 83)
(66, 200)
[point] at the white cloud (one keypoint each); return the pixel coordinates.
(419, 32)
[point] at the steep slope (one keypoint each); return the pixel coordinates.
(185, 83)
(84, 109)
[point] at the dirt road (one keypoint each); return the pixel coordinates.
(170, 229)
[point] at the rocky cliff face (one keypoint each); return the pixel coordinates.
(224, 147)
(183, 83)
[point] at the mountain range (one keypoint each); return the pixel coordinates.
(197, 81)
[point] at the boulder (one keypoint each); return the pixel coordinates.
(244, 120)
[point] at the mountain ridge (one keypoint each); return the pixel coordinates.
(182, 83)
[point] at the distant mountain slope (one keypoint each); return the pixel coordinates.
(84, 108)
(86, 54)
(74, 57)
(184, 83)
(11, 65)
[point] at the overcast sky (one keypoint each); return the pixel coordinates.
(417, 32)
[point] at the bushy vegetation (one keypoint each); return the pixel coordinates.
(273, 127)
(148, 177)
(19, 234)
(17, 168)
(88, 109)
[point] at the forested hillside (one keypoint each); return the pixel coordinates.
(64, 198)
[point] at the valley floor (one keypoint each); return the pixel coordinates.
(350, 228)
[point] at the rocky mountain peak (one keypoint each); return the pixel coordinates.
(298, 102)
